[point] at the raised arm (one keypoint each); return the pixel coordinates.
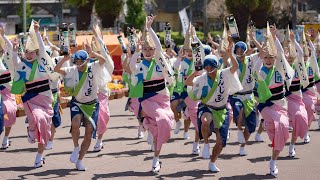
(15, 58)
(298, 47)
(189, 80)
(58, 69)
(9, 44)
(234, 62)
(39, 38)
(210, 40)
(105, 53)
(149, 21)
(254, 40)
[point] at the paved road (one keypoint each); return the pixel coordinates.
(126, 157)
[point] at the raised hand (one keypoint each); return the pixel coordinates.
(149, 21)
(180, 54)
(15, 44)
(1, 31)
(251, 32)
(308, 36)
(36, 26)
(292, 36)
(273, 30)
(88, 47)
(229, 48)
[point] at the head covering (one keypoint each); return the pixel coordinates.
(2, 43)
(146, 38)
(210, 60)
(270, 45)
(241, 45)
(32, 42)
(207, 49)
(48, 50)
(93, 44)
(224, 41)
(187, 39)
(81, 55)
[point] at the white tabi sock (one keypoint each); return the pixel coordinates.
(98, 142)
(5, 139)
(155, 161)
(38, 157)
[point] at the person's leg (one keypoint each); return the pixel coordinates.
(75, 133)
(206, 119)
(173, 105)
(5, 141)
(273, 165)
(156, 165)
(39, 157)
(85, 145)
(187, 123)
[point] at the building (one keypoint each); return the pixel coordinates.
(51, 13)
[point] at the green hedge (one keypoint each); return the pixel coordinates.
(179, 40)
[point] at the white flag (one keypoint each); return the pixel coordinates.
(184, 20)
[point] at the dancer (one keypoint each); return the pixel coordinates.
(151, 76)
(213, 88)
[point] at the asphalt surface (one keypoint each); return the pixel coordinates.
(126, 157)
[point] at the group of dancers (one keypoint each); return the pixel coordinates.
(276, 84)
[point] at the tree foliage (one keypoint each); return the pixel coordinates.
(84, 12)
(20, 13)
(244, 9)
(136, 15)
(108, 11)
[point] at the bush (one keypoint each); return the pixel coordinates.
(179, 40)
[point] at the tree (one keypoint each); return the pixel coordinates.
(84, 12)
(260, 15)
(108, 11)
(136, 15)
(242, 9)
(20, 13)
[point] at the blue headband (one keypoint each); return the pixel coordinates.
(241, 45)
(81, 55)
(207, 49)
(211, 60)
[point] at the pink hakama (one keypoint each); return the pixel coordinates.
(159, 118)
(39, 113)
(134, 106)
(10, 107)
(310, 99)
(317, 106)
(298, 117)
(276, 122)
(192, 109)
(104, 113)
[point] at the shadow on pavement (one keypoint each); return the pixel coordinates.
(125, 127)
(18, 137)
(21, 150)
(19, 168)
(123, 174)
(229, 156)
(236, 143)
(195, 174)
(248, 177)
(168, 156)
(120, 139)
(59, 173)
(123, 154)
(267, 158)
(59, 153)
(122, 115)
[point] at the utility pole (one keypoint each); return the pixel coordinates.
(205, 23)
(24, 16)
(294, 14)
